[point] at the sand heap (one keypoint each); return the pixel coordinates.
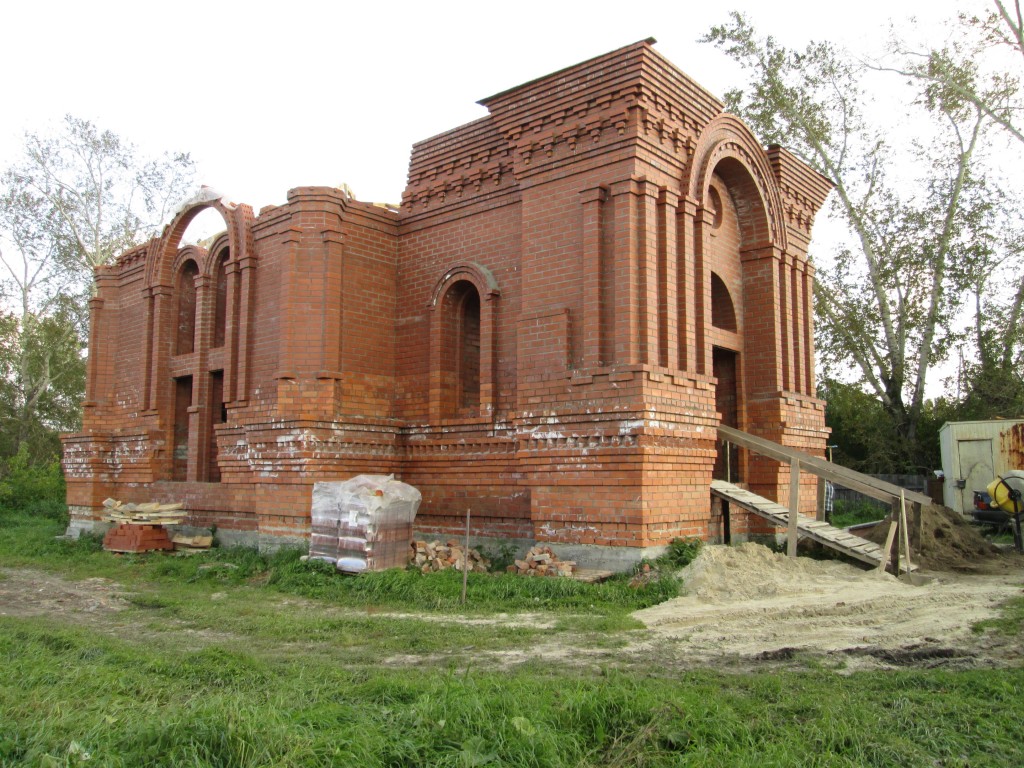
(949, 543)
(754, 572)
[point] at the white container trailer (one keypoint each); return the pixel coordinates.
(974, 453)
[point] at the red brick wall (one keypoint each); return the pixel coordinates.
(586, 213)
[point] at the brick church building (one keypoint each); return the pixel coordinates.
(576, 290)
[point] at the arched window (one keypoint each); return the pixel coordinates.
(460, 352)
(220, 308)
(185, 338)
(723, 315)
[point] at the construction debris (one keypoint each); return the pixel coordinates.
(436, 556)
(541, 561)
(185, 543)
(143, 514)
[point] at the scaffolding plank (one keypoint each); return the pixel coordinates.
(825, 534)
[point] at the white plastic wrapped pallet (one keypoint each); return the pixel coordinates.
(364, 523)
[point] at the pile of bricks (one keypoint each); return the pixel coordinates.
(541, 561)
(137, 538)
(435, 556)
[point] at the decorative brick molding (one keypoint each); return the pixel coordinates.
(576, 291)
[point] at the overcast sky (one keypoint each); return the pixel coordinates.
(269, 96)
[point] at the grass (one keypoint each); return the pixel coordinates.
(234, 659)
(847, 513)
(68, 691)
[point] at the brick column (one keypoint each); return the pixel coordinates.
(799, 356)
(668, 284)
(627, 288)
(331, 318)
(649, 274)
(807, 276)
(782, 288)
(158, 350)
(231, 274)
(247, 269)
(199, 413)
(686, 273)
(593, 201)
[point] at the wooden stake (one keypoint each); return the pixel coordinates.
(794, 506)
(888, 546)
(465, 561)
(904, 533)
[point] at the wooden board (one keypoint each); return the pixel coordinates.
(823, 533)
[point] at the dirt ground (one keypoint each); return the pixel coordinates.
(746, 608)
(748, 604)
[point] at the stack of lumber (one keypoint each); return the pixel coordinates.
(143, 514)
(541, 561)
(183, 543)
(435, 556)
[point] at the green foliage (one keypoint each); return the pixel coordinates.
(847, 513)
(227, 670)
(1010, 623)
(442, 590)
(32, 487)
(682, 552)
(76, 694)
(500, 556)
(924, 237)
(866, 436)
(73, 201)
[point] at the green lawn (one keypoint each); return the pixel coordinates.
(231, 659)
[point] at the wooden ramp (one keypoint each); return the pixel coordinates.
(821, 532)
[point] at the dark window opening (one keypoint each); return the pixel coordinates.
(460, 351)
(220, 310)
(725, 368)
(723, 315)
(186, 289)
(218, 415)
(182, 402)
(469, 354)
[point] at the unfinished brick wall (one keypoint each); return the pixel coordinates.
(575, 291)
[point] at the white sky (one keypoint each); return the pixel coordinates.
(269, 96)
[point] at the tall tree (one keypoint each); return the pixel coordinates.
(974, 72)
(92, 194)
(885, 301)
(73, 201)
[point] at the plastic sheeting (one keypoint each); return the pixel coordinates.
(364, 523)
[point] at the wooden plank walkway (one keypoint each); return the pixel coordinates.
(821, 532)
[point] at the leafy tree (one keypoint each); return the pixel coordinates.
(72, 202)
(87, 195)
(954, 76)
(887, 300)
(960, 78)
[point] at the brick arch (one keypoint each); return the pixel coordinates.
(238, 220)
(164, 259)
(480, 276)
(194, 253)
(222, 241)
(487, 290)
(728, 148)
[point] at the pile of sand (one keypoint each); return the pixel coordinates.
(949, 543)
(746, 606)
(754, 572)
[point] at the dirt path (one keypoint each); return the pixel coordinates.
(747, 605)
(26, 592)
(747, 608)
